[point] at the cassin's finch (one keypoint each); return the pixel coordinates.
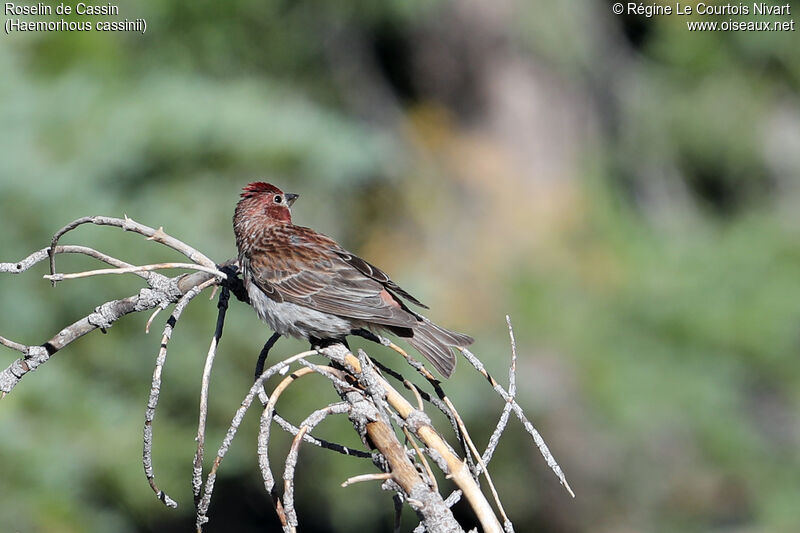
(305, 285)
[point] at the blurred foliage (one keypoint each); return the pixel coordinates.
(624, 189)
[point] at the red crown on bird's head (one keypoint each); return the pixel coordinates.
(259, 187)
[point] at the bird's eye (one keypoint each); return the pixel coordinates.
(278, 198)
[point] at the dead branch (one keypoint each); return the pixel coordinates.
(155, 390)
(133, 270)
(374, 407)
(161, 292)
(365, 477)
(197, 472)
(129, 224)
(205, 499)
(537, 438)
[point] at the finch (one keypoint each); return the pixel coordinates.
(304, 285)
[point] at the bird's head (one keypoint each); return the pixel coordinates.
(264, 203)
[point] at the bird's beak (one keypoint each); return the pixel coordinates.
(290, 198)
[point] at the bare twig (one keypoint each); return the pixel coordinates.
(197, 472)
(372, 404)
(406, 476)
(512, 391)
(155, 389)
(134, 270)
(383, 476)
(308, 424)
(453, 499)
(397, 499)
(537, 438)
(162, 291)
(436, 402)
(264, 434)
(265, 427)
(103, 317)
(150, 320)
(322, 443)
(422, 458)
(288, 478)
(129, 224)
(413, 388)
(477, 456)
(38, 256)
(463, 428)
(266, 420)
(205, 500)
(13, 345)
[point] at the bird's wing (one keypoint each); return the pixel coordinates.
(371, 271)
(296, 264)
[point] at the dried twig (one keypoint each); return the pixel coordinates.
(397, 499)
(421, 456)
(205, 500)
(288, 478)
(371, 403)
(537, 438)
(150, 320)
(306, 425)
(264, 433)
(13, 345)
(383, 476)
(322, 443)
(462, 427)
(38, 256)
(161, 292)
(134, 270)
(129, 224)
(155, 390)
(512, 391)
(420, 425)
(197, 472)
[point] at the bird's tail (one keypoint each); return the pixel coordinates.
(434, 343)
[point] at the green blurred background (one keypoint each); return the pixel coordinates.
(626, 190)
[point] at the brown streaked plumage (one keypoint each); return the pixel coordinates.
(305, 285)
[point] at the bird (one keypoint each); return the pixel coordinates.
(303, 284)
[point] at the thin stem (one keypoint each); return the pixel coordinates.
(288, 478)
(197, 472)
(134, 270)
(382, 476)
(155, 390)
(537, 438)
(205, 501)
(129, 224)
(13, 345)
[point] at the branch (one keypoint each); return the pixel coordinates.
(155, 390)
(494, 440)
(374, 407)
(129, 224)
(537, 438)
(306, 425)
(197, 472)
(134, 270)
(322, 443)
(365, 477)
(164, 292)
(36, 257)
(431, 504)
(205, 500)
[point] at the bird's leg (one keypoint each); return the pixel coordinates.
(316, 343)
(262, 357)
(366, 334)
